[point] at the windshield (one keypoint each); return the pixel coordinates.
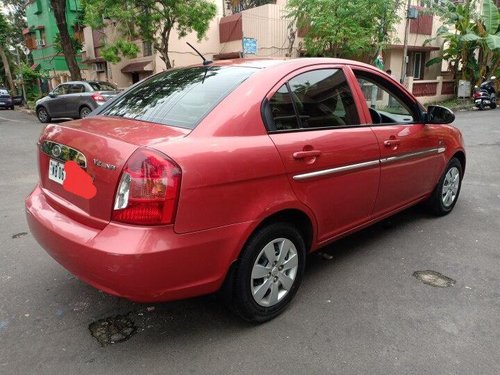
(180, 97)
(102, 86)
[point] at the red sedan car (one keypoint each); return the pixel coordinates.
(223, 177)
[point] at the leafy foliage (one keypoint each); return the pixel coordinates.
(336, 28)
(472, 39)
(149, 20)
(30, 78)
(77, 45)
(241, 5)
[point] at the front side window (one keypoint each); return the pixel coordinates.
(386, 106)
(180, 97)
(320, 99)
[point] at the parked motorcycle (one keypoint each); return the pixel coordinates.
(485, 95)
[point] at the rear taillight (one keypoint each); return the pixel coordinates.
(148, 190)
(98, 98)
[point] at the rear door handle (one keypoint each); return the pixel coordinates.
(306, 154)
(391, 142)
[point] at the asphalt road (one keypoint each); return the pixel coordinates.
(360, 312)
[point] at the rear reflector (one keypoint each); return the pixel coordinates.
(148, 190)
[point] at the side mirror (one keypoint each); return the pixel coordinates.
(439, 115)
(52, 95)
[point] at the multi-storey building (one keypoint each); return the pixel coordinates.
(41, 37)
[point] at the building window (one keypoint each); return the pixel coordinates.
(147, 48)
(417, 65)
(78, 33)
(30, 40)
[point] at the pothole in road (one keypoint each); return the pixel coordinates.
(113, 330)
(434, 278)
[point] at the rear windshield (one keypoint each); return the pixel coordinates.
(102, 86)
(181, 97)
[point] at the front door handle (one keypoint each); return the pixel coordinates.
(306, 154)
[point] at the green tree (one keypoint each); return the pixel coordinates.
(241, 5)
(349, 29)
(472, 39)
(5, 32)
(150, 20)
(59, 7)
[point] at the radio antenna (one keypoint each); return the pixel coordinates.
(205, 61)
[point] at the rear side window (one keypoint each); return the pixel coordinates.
(102, 86)
(180, 97)
(315, 99)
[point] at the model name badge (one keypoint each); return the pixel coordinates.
(104, 165)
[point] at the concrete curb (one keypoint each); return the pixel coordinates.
(26, 110)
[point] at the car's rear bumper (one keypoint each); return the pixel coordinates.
(143, 264)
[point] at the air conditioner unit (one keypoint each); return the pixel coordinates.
(40, 43)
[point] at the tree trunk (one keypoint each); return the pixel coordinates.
(6, 67)
(59, 7)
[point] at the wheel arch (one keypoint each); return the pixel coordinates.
(84, 105)
(460, 155)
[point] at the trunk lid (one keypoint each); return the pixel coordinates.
(108, 94)
(106, 144)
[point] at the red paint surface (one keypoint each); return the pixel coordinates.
(78, 182)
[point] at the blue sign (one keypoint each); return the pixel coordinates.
(249, 46)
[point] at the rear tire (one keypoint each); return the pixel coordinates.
(12, 108)
(269, 273)
(84, 111)
(445, 195)
(43, 115)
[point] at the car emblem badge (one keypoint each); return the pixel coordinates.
(104, 165)
(56, 151)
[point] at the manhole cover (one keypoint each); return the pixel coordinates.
(113, 329)
(434, 278)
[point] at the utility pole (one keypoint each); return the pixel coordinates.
(405, 45)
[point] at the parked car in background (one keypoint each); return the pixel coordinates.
(18, 100)
(223, 177)
(6, 100)
(74, 99)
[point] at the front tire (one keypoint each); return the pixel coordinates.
(269, 272)
(446, 193)
(43, 115)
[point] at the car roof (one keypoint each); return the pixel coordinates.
(263, 63)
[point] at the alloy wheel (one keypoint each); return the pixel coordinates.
(274, 272)
(451, 185)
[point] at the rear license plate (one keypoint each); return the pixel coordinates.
(56, 171)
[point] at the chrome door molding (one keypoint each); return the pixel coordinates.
(371, 163)
(410, 155)
(344, 168)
